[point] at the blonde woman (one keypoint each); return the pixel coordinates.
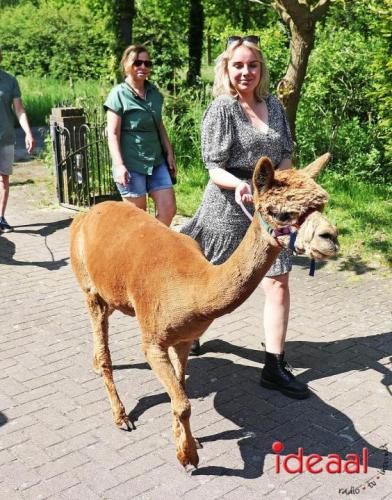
(10, 103)
(243, 123)
(139, 145)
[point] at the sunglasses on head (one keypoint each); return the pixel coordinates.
(140, 62)
(250, 38)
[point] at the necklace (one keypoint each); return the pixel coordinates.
(139, 93)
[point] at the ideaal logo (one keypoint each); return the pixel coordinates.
(295, 463)
(353, 463)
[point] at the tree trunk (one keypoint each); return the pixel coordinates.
(124, 13)
(195, 41)
(301, 20)
(289, 88)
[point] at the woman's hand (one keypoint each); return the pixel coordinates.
(243, 193)
(121, 175)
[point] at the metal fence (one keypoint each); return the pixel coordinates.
(82, 160)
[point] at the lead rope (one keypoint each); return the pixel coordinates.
(245, 210)
(293, 237)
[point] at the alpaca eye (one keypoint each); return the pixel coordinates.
(285, 216)
(282, 216)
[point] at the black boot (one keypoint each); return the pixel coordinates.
(275, 375)
(195, 349)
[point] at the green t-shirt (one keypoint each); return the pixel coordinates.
(9, 90)
(140, 144)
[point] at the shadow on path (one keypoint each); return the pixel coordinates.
(263, 416)
(353, 264)
(3, 419)
(8, 247)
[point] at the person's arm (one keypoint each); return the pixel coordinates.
(226, 180)
(114, 131)
(167, 147)
(24, 123)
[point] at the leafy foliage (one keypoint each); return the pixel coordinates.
(50, 39)
(345, 104)
(340, 110)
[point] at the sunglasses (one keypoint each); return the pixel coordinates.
(140, 62)
(250, 38)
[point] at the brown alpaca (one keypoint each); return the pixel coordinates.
(125, 259)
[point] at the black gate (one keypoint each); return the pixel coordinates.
(82, 161)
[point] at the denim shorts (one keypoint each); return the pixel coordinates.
(141, 184)
(6, 159)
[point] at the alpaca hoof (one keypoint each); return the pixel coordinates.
(189, 468)
(188, 457)
(123, 422)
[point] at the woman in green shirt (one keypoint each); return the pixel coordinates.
(10, 103)
(139, 145)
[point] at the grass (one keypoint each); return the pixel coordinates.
(190, 189)
(40, 95)
(363, 215)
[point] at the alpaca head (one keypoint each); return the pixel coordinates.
(290, 198)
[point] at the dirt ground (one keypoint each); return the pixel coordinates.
(35, 182)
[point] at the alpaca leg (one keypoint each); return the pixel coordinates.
(179, 356)
(160, 363)
(102, 363)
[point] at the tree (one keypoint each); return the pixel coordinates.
(195, 40)
(301, 19)
(124, 13)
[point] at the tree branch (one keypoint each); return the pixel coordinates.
(297, 11)
(320, 9)
(260, 2)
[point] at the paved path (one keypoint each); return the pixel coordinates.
(57, 439)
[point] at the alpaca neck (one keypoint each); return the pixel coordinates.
(233, 281)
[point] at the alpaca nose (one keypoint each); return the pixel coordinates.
(330, 237)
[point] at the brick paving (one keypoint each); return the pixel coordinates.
(57, 439)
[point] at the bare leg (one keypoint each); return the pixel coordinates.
(102, 363)
(181, 408)
(139, 201)
(165, 205)
(276, 312)
(4, 192)
(275, 374)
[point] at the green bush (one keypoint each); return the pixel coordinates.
(62, 41)
(337, 112)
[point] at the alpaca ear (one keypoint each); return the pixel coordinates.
(263, 175)
(314, 168)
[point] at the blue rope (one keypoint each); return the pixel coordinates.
(293, 237)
